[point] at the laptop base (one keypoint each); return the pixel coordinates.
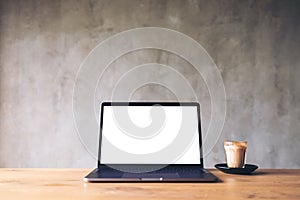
(170, 173)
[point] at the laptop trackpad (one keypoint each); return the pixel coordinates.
(150, 175)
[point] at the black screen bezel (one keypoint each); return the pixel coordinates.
(151, 104)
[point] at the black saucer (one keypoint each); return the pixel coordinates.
(246, 170)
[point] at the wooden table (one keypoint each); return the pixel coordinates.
(68, 184)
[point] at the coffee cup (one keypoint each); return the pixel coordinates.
(235, 153)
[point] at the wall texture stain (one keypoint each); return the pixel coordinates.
(255, 44)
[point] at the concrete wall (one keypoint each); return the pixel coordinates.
(255, 44)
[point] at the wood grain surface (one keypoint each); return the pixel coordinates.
(69, 184)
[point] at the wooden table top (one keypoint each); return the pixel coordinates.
(69, 184)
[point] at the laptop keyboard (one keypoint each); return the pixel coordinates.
(168, 169)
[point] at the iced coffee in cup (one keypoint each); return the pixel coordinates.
(235, 153)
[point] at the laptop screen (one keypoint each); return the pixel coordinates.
(141, 133)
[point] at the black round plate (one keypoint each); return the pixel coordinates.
(247, 169)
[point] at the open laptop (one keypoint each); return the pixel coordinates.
(150, 141)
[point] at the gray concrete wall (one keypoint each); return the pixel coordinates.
(255, 44)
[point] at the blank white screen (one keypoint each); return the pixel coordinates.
(122, 144)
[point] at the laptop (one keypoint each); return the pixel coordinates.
(150, 142)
